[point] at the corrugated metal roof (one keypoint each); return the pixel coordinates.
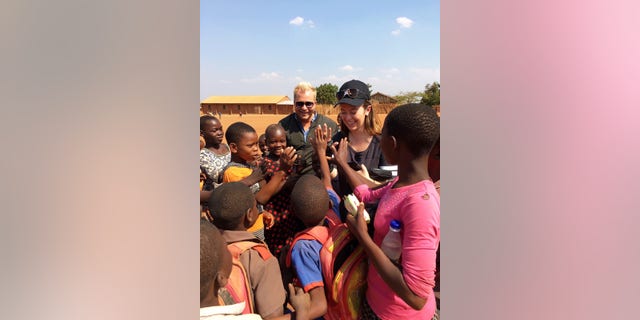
(245, 99)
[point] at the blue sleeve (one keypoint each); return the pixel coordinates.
(305, 258)
(335, 201)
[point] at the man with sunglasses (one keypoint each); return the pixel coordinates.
(301, 122)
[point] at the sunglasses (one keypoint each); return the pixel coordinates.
(351, 93)
(308, 104)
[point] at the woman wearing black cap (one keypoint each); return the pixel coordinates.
(360, 125)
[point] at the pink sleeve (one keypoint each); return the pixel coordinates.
(365, 194)
(421, 235)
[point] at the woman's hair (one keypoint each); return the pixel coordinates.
(371, 122)
(415, 124)
(304, 87)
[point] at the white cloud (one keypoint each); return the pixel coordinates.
(297, 21)
(404, 22)
(346, 68)
(310, 24)
(395, 32)
(429, 74)
(269, 75)
(263, 77)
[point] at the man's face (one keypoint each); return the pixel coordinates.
(305, 105)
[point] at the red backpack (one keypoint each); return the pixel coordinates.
(239, 285)
(344, 267)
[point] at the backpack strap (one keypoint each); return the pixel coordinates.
(237, 248)
(319, 233)
(239, 285)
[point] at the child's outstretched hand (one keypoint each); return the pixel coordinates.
(341, 154)
(300, 301)
(288, 158)
(268, 219)
(322, 135)
(357, 225)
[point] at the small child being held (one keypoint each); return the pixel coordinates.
(243, 143)
(233, 208)
(280, 158)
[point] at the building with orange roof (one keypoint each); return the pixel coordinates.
(246, 105)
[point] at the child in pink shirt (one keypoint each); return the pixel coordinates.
(405, 290)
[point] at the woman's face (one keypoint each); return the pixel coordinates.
(353, 117)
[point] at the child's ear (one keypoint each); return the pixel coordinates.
(233, 147)
(249, 218)
(221, 279)
(394, 142)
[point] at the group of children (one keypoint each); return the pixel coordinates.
(275, 222)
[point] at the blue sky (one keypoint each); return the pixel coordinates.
(256, 47)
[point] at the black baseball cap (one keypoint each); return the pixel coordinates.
(353, 92)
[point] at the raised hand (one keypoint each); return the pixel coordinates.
(357, 225)
(288, 158)
(341, 155)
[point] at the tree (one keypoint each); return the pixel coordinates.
(409, 97)
(431, 94)
(326, 93)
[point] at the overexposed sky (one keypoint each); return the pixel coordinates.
(257, 47)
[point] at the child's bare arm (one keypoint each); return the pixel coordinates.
(319, 143)
(391, 275)
(318, 303)
(301, 303)
(271, 188)
(255, 177)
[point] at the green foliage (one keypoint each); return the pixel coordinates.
(431, 94)
(409, 97)
(326, 93)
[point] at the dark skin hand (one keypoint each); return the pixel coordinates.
(288, 158)
(391, 275)
(300, 301)
(341, 156)
(318, 302)
(319, 141)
